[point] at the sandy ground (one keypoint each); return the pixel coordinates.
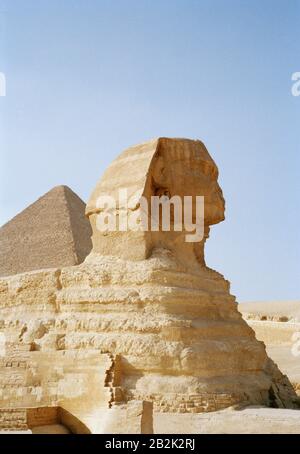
(290, 309)
(251, 420)
(51, 429)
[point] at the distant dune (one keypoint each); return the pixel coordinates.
(273, 310)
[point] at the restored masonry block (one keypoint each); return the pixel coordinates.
(13, 419)
(142, 324)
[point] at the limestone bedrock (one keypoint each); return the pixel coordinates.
(148, 300)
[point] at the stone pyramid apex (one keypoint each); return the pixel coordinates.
(49, 233)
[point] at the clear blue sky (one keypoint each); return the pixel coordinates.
(86, 79)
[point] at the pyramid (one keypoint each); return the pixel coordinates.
(51, 232)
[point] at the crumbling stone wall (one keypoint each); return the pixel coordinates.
(193, 403)
(13, 419)
(35, 379)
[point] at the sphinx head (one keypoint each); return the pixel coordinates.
(161, 168)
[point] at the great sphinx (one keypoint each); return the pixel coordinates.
(149, 300)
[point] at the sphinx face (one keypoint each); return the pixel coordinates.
(185, 168)
(171, 167)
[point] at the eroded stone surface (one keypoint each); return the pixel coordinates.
(148, 299)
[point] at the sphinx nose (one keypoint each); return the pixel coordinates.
(218, 194)
(222, 197)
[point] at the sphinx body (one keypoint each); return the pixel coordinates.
(149, 300)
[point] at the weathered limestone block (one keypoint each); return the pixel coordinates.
(139, 417)
(134, 418)
(76, 380)
(13, 419)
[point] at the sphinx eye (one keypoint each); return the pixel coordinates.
(162, 191)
